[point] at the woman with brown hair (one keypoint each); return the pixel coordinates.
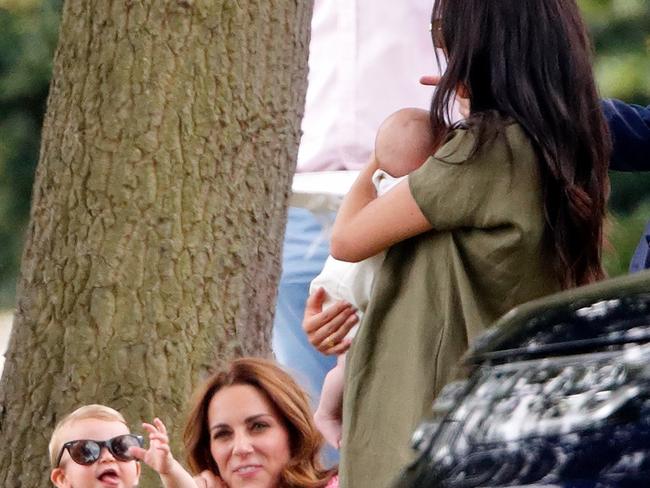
(250, 400)
(250, 425)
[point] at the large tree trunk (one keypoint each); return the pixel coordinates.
(158, 212)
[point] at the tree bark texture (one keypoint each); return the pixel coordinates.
(154, 244)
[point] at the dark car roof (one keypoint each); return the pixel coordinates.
(610, 313)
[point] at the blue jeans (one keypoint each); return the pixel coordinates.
(305, 250)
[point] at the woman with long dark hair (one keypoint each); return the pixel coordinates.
(532, 63)
(510, 208)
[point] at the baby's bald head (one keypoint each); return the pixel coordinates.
(404, 141)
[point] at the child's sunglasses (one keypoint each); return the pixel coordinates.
(87, 452)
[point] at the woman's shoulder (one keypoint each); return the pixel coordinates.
(471, 143)
(457, 146)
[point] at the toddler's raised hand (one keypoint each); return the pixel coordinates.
(158, 456)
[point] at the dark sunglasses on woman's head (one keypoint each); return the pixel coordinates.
(87, 452)
(435, 28)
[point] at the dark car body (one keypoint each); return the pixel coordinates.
(557, 395)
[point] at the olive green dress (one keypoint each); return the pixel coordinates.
(437, 291)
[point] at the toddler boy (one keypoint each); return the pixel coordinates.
(90, 448)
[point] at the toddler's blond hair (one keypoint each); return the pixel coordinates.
(99, 412)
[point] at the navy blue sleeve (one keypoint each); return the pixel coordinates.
(630, 129)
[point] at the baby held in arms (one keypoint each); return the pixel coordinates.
(404, 142)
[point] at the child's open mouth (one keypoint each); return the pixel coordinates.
(109, 477)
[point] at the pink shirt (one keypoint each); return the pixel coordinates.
(333, 483)
(365, 60)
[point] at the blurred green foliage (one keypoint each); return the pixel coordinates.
(28, 32)
(28, 35)
(621, 33)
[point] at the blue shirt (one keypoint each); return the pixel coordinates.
(630, 128)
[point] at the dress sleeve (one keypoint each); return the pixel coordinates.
(460, 187)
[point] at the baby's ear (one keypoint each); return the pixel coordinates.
(138, 469)
(57, 476)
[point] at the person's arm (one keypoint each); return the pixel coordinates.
(457, 188)
(207, 479)
(630, 129)
(178, 477)
(366, 225)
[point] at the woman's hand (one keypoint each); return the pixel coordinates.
(461, 94)
(326, 330)
(207, 479)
